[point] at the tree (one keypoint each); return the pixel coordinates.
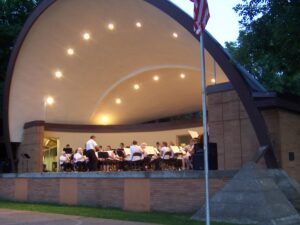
(268, 45)
(13, 14)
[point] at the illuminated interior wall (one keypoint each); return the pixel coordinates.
(114, 139)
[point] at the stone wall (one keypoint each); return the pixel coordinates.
(32, 145)
(177, 192)
(231, 129)
(284, 130)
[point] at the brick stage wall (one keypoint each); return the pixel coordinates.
(32, 145)
(134, 194)
(284, 130)
(231, 129)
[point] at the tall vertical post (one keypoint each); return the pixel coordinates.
(205, 139)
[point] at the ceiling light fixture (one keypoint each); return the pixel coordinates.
(49, 100)
(138, 24)
(58, 74)
(104, 119)
(213, 80)
(175, 35)
(111, 26)
(182, 75)
(156, 78)
(70, 51)
(118, 101)
(86, 36)
(136, 87)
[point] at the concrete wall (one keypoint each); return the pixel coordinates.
(284, 130)
(231, 129)
(169, 194)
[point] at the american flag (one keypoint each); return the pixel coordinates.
(201, 15)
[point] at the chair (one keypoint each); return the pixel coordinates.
(147, 162)
(80, 166)
(178, 160)
(167, 161)
(136, 162)
(120, 153)
(123, 164)
(103, 159)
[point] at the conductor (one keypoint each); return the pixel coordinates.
(91, 147)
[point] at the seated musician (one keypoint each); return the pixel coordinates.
(156, 158)
(143, 149)
(196, 151)
(113, 156)
(64, 161)
(120, 151)
(133, 149)
(164, 150)
(157, 145)
(122, 146)
(79, 159)
(108, 148)
(122, 157)
(68, 150)
(186, 161)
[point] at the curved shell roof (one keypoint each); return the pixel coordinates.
(98, 81)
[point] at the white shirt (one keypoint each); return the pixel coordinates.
(78, 157)
(164, 150)
(134, 149)
(91, 144)
(62, 159)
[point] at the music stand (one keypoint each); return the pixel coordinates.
(68, 150)
(103, 155)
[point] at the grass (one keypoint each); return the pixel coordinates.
(106, 213)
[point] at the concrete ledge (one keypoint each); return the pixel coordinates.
(122, 175)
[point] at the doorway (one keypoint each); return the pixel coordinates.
(50, 159)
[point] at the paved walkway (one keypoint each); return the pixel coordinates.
(15, 217)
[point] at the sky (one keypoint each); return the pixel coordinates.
(223, 23)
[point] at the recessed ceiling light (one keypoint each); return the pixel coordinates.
(136, 87)
(156, 78)
(86, 36)
(182, 75)
(111, 26)
(49, 100)
(138, 24)
(70, 51)
(175, 35)
(118, 101)
(104, 119)
(58, 74)
(213, 80)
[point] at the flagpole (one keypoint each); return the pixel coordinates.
(204, 117)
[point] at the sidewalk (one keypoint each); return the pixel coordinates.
(15, 217)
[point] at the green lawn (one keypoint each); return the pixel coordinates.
(107, 213)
